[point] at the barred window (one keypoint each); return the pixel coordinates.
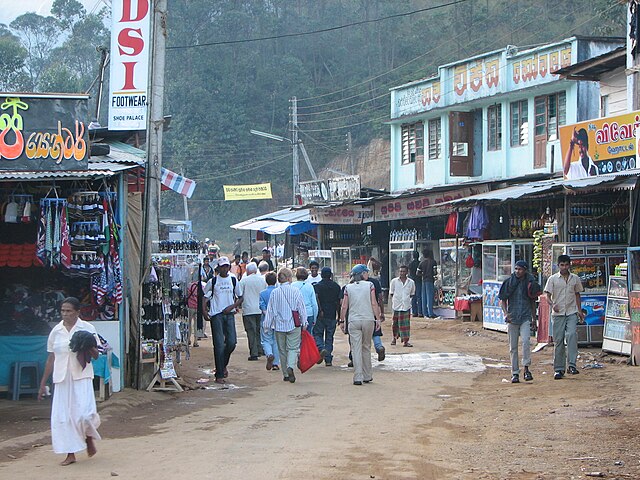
(494, 135)
(435, 139)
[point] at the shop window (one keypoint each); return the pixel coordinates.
(604, 105)
(412, 142)
(435, 139)
(494, 131)
(519, 123)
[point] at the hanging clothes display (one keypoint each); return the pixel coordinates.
(52, 227)
(478, 223)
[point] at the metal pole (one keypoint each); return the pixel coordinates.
(352, 165)
(294, 145)
(154, 132)
(184, 201)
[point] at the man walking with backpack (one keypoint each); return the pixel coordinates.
(225, 297)
(517, 299)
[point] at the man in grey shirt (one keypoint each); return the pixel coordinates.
(563, 290)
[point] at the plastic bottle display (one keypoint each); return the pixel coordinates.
(598, 223)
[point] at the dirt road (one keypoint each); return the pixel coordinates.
(439, 410)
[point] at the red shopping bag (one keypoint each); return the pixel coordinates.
(309, 354)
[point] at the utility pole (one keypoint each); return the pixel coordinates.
(155, 124)
(294, 144)
(352, 165)
(184, 200)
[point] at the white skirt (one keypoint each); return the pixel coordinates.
(74, 416)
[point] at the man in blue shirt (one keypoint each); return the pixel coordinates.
(518, 312)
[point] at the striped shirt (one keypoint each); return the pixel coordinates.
(282, 302)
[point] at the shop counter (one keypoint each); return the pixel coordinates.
(13, 349)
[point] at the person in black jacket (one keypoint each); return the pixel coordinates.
(427, 270)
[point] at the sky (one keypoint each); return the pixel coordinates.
(10, 9)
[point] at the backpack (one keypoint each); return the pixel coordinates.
(234, 282)
(534, 290)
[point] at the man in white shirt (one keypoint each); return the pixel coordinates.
(584, 167)
(223, 293)
(314, 276)
(563, 290)
(250, 287)
(402, 289)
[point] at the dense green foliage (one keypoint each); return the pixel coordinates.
(217, 93)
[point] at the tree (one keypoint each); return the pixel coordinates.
(12, 56)
(38, 36)
(68, 12)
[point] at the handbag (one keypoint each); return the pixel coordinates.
(296, 316)
(309, 354)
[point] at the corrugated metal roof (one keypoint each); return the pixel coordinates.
(122, 147)
(96, 169)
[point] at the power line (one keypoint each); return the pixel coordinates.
(322, 30)
(503, 67)
(387, 84)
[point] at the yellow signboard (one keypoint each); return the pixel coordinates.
(601, 146)
(257, 191)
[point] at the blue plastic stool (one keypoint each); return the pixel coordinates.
(21, 371)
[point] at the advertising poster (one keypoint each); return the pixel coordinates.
(43, 134)
(593, 307)
(598, 147)
(129, 64)
(258, 191)
(492, 315)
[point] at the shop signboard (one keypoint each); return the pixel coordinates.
(40, 133)
(344, 188)
(129, 70)
(634, 310)
(597, 147)
(347, 215)
(313, 191)
(428, 205)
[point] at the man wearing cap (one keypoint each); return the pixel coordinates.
(563, 290)
(518, 312)
(328, 293)
(250, 287)
(223, 292)
(266, 256)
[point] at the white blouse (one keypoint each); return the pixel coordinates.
(65, 360)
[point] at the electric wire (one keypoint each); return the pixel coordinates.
(314, 32)
(502, 67)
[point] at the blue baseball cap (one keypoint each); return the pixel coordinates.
(358, 269)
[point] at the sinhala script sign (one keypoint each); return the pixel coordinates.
(130, 47)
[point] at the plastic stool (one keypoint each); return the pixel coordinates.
(16, 386)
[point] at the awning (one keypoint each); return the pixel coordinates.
(279, 222)
(624, 180)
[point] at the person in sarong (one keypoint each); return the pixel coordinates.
(74, 417)
(402, 289)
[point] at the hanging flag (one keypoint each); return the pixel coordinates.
(182, 185)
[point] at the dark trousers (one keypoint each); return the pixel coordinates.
(323, 333)
(252, 327)
(224, 338)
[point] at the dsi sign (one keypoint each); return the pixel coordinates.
(130, 46)
(38, 133)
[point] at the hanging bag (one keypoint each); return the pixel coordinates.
(309, 354)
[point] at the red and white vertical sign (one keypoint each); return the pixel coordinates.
(129, 74)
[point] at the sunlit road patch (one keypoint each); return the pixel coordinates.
(432, 362)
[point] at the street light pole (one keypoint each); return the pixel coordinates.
(294, 143)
